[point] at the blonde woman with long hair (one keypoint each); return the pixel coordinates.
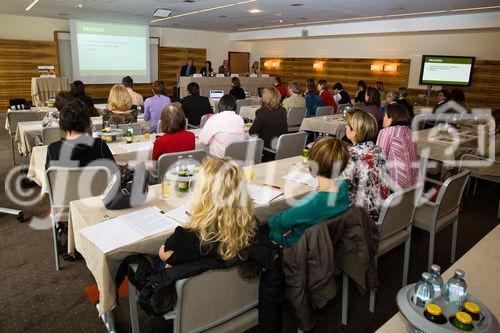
(119, 107)
(221, 222)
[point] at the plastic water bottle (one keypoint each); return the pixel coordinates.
(437, 281)
(94, 132)
(190, 165)
(424, 291)
(456, 288)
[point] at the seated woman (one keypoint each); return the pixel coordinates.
(51, 119)
(223, 128)
(367, 170)
(194, 105)
(77, 149)
(237, 92)
(313, 100)
(255, 68)
(221, 222)
(153, 106)
(207, 70)
(326, 95)
(399, 148)
(119, 107)
(78, 91)
(328, 157)
(372, 99)
(176, 138)
(441, 97)
(270, 119)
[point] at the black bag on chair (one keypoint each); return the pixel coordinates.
(127, 193)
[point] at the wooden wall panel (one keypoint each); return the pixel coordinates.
(172, 59)
(18, 64)
(346, 71)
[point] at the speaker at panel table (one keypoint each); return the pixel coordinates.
(188, 69)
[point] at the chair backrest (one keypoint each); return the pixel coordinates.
(204, 119)
(295, 116)
(246, 152)
(290, 145)
(450, 193)
(167, 160)
(15, 117)
(397, 211)
(342, 107)
(324, 111)
(52, 134)
(242, 102)
(213, 298)
(135, 126)
(85, 182)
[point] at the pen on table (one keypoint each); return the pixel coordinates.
(273, 186)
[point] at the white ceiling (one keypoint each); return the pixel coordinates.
(232, 18)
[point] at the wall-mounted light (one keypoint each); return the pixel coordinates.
(391, 68)
(272, 64)
(318, 64)
(377, 67)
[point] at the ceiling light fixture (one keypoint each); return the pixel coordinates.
(417, 13)
(359, 18)
(203, 10)
(255, 11)
(162, 12)
(31, 5)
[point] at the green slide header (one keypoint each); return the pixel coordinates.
(92, 28)
(446, 60)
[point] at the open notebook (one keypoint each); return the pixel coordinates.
(129, 228)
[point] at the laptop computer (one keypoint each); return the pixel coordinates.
(216, 94)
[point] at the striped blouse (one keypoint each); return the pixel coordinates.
(401, 154)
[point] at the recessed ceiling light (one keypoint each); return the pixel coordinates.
(31, 5)
(79, 6)
(255, 11)
(189, 1)
(222, 16)
(162, 12)
(296, 4)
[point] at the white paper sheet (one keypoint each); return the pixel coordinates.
(262, 195)
(302, 177)
(137, 146)
(129, 228)
(179, 214)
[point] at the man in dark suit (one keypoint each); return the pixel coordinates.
(224, 68)
(194, 105)
(188, 69)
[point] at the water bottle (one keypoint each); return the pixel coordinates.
(424, 291)
(437, 281)
(130, 133)
(190, 165)
(178, 164)
(456, 288)
(94, 132)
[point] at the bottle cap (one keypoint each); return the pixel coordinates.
(460, 273)
(463, 317)
(435, 268)
(433, 309)
(472, 307)
(426, 276)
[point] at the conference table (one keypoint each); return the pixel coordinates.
(482, 270)
(138, 151)
(333, 124)
(248, 112)
(251, 84)
(90, 211)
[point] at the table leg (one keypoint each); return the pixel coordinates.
(108, 320)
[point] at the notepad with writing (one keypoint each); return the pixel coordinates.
(262, 195)
(129, 228)
(302, 177)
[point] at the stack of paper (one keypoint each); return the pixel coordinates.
(181, 214)
(129, 228)
(302, 177)
(262, 195)
(138, 146)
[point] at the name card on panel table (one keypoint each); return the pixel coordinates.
(235, 75)
(265, 75)
(197, 75)
(253, 75)
(219, 75)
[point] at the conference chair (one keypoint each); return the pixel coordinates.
(52, 134)
(216, 301)
(324, 111)
(289, 145)
(86, 182)
(178, 104)
(294, 118)
(204, 119)
(246, 152)
(242, 102)
(344, 107)
(395, 221)
(476, 176)
(15, 117)
(435, 216)
(135, 126)
(166, 161)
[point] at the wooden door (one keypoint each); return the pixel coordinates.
(239, 62)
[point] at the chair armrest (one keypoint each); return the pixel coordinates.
(430, 180)
(270, 150)
(423, 201)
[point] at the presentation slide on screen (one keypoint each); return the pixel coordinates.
(445, 70)
(105, 52)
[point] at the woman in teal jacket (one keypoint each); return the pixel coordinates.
(327, 159)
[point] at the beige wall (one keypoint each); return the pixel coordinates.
(482, 44)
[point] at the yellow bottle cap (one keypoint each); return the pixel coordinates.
(472, 307)
(463, 317)
(433, 309)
